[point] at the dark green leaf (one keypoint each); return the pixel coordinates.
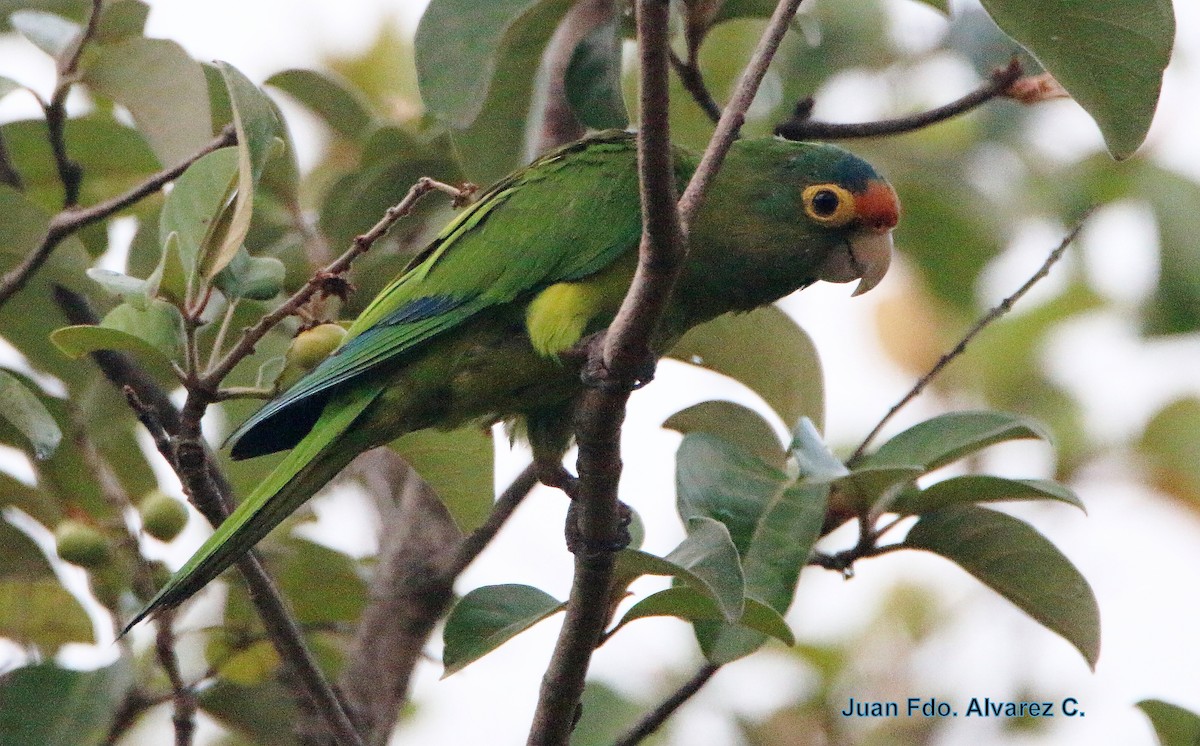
(1109, 54)
(765, 350)
(251, 277)
(162, 87)
(20, 557)
(782, 543)
(1015, 560)
(477, 64)
(739, 425)
(593, 79)
(947, 438)
(337, 102)
(266, 714)
(487, 617)
(718, 480)
(868, 487)
(1174, 725)
(710, 556)
(691, 605)
(51, 706)
(25, 411)
(458, 465)
(323, 585)
(981, 488)
(50, 33)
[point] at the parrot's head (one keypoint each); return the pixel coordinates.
(843, 196)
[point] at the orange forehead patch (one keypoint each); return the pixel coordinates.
(877, 207)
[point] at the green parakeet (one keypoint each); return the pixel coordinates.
(474, 330)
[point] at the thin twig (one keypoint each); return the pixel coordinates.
(254, 334)
(70, 221)
(995, 313)
(211, 493)
(800, 127)
(70, 173)
(654, 719)
(693, 82)
(506, 504)
(734, 114)
(184, 715)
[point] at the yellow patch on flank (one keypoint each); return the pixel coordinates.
(556, 318)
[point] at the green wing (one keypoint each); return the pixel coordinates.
(566, 216)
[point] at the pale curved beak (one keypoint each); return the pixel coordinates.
(867, 255)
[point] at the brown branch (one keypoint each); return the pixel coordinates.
(693, 82)
(505, 506)
(995, 313)
(361, 244)
(558, 124)
(72, 220)
(654, 719)
(211, 493)
(625, 355)
(735, 111)
(70, 173)
(800, 127)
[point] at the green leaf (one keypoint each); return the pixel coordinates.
(122, 19)
(476, 65)
(169, 279)
(43, 614)
(1174, 725)
(323, 585)
(20, 557)
(156, 330)
(739, 425)
(488, 617)
(710, 556)
(947, 438)
(765, 350)
(718, 480)
(1175, 305)
(50, 33)
(1171, 445)
(251, 277)
(782, 543)
(36, 502)
(868, 487)
(459, 466)
(593, 79)
(1109, 54)
(265, 714)
(814, 460)
(162, 87)
(336, 101)
(131, 289)
(195, 202)
(51, 706)
(1015, 560)
(981, 488)
(25, 411)
(689, 604)
(254, 119)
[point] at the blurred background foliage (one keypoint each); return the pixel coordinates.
(972, 191)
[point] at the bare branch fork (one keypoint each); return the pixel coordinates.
(626, 350)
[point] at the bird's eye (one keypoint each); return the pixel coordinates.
(828, 204)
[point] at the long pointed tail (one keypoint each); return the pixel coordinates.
(309, 466)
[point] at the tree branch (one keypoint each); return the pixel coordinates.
(800, 127)
(72, 220)
(70, 173)
(654, 719)
(995, 313)
(211, 493)
(558, 124)
(693, 82)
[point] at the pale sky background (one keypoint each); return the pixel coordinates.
(1138, 552)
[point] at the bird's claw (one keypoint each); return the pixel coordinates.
(595, 373)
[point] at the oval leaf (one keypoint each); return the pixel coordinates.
(25, 411)
(50, 33)
(1015, 560)
(158, 330)
(459, 466)
(488, 617)
(251, 277)
(739, 425)
(51, 706)
(1108, 54)
(949, 437)
(767, 352)
(782, 543)
(981, 488)
(337, 102)
(192, 207)
(710, 556)
(686, 603)
(1173, 725)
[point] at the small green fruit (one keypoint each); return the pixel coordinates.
(311, 346)
(81, 544)
(163, 517)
